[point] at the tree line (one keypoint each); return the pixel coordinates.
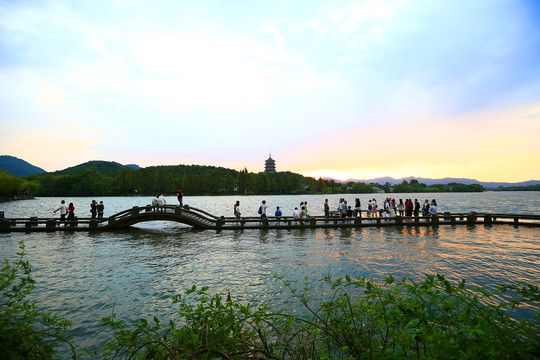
(198, 180)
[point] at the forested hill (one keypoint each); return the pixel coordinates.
(18, 167)
(102, 167)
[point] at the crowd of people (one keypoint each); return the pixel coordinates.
(67, 212)
(389, 208)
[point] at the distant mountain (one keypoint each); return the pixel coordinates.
(444, 181)
(103, 167)
(18, 167)
(133, 166)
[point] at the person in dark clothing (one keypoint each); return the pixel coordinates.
(93, 209)
(100, 209)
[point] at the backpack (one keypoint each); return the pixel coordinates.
(260, 209)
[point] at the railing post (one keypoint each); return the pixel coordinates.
(265, 222)
(378, 220)
(93, 224)
(516, 221)
(312, 222)
(435, 219)
(135, 211)
(471, 218)
(4, 225)
(50, 225)
(111, 221)
(399, 220)
(487, 220)
(220, 221)
(1, 214)
(178, 211)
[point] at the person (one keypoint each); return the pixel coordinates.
(307, 211)
(71, 212)
(100, 209)
(409, 207)
(357, 208)
(391, 209)
(63, 210)
(433, 208)
(374, 208)
(400, 207)
(278, 214)
(161, 201)
(349, 212)
(369, 208)
(326, 208)
(93, 209)
(425, 208)
(416, 208)
(237, 211)
(180, 196)
(262, 210)
(303, 213)
(296, 216)
(344, 209)
(154, 202)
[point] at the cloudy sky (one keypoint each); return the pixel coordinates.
(345, 89)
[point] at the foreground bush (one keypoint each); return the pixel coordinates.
(25, 331)
(429, 319)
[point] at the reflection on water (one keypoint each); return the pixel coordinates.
(84, 277)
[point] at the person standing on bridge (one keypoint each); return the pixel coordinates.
(93, 209)
(326, 209)
(262, 210)
(71, 212)
(63, 210)
(100, 210)
(181, 196)
(237, 213)
(154, 202)
(161, 202)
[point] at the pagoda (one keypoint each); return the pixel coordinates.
(270, 164)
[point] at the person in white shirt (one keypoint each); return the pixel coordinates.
(262, 210)
(161, 202)
(296, 216)
(63, 210)
(154, 202)
(433, 208)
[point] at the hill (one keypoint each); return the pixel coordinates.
(18, 167)
(103, 167)
(444, 181)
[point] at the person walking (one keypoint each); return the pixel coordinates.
(237, 213)
(71, 212)
(262, 210)
(357, 208)
(63, 211)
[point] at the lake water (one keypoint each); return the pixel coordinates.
(83, 276)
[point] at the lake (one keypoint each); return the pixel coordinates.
(85, 276)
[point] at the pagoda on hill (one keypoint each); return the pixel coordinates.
(270, 164)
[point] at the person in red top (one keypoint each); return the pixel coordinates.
(71, 212)
(181, 196)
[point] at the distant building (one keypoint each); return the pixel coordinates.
(270, 164)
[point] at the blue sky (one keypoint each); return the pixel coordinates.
(350, 89)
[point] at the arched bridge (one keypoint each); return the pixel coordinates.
(183, 214)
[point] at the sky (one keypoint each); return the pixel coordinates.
(342, 89)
